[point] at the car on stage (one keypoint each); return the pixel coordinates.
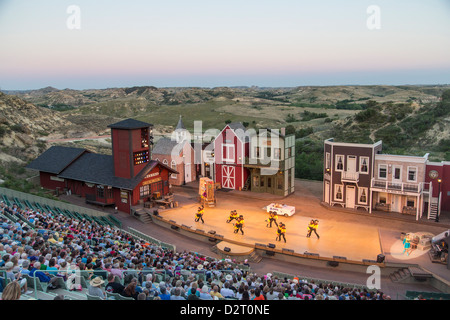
(281, 209)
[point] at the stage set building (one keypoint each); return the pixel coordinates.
(178, 153)
(259, 162)
(122, 179)
(361, 176)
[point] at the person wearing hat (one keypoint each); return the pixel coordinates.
(281, 231)
(239, 224)
(95, 288)
(204, 294)
(233, 216)
(199, 214)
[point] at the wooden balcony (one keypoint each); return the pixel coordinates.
(348, 176)
(399, 187)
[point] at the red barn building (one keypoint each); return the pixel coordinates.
(119, 180)
(231, 148)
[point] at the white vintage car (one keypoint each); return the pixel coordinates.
(281, 209)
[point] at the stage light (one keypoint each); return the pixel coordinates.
(333, 263)
(311, 254)
(226, 249)
(271, 245)
(380, 258)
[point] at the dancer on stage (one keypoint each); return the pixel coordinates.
(199, 214)
(233, 216)
(239, 224)
(273, 216)
(407, 245)
(281, 231)
(312, 227)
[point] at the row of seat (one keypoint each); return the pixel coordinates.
(109, 220)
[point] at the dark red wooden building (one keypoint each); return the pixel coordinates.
(119, 180)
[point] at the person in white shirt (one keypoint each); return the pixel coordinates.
(226, 291)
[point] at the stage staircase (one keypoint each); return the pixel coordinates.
(247, 184)
(410, 274)
(254, 257)
(142, 215)
(433, 210)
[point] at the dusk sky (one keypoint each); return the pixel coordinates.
(210, 43)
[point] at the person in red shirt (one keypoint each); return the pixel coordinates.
(258, 295)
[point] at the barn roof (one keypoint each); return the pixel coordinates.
(56, 159)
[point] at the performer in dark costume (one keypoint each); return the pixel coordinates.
(273, 216)
(199, 214)
(239, 224)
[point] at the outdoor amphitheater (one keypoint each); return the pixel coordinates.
(59, 250)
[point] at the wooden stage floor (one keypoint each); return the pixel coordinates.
(344, 239)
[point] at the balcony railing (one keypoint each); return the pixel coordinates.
(350, 176)
(400, 186)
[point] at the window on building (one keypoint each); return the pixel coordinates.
(382, 171)
(382, 198)
(100, 192)
(261, 181)
(327, 161)
(397, 173)
(256, 181)
(277, 153)
(268, 152)
(339, 162)
(364, 165)
(173, 165)
(338, 195)
(144, 191)
(144, 137)
(412, 174)
(411, 201)
(363, 195)
(228, 152)
(165, 162)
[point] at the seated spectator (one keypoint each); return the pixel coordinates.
(204, 294)
(258, 295)
(226, 291)
(130, 290)
(12, 291)
(215, 293)
(95, 288)
(193, 294)
(113, 286)
(176, 295)
(164, 295)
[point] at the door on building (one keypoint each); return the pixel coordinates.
(228, 177)
(187, 172)
(396, 203)
(327, 192)
(350, 197)
(351, 164)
